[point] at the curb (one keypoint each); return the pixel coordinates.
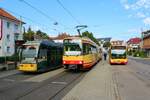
(7, 67)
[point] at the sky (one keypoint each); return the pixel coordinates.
(119, 19)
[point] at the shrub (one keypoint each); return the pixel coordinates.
(136, 53)
(14, 57)
(143, 54)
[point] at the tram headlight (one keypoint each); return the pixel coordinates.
(80, 62)
(64, 62)
(32, 65)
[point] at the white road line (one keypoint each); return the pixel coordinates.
(8, 80)
(62, 83)
(42, 77)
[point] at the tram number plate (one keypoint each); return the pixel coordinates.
(72, 66)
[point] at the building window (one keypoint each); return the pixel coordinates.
(8, 49)
(8, 37)
(16, 36)
(8, 24)
(16, 26)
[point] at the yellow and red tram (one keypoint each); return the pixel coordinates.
(80, 53)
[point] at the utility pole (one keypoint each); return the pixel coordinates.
(80, 27)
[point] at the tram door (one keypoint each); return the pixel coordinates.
(51, 57)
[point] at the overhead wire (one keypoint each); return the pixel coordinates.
(42, 13)
(77, 21)
(38, 24)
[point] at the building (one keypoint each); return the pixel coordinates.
(117, 42)
(59, 38)
(146, 42)
(134, 44)
(10, 32)
(103, 40)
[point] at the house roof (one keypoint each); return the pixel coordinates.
(104, 39)
(134, 41)
(5, 14)
(146, 36)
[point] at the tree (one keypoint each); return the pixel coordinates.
(42, 35)
(107, 44)
(90, 35)
(29, 35)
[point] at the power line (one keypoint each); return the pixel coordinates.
(68, 11)
(29, 19)
(39, 11)
(42, 13)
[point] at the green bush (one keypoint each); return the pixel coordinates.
(143, 54)
(129, 53)
(136, 53)
(2, 59)
(14, 57)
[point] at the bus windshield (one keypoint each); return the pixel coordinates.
(72, 49)
(118, 54)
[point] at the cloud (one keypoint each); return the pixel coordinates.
(136, 5)
(140, 15)
(134, 30)
(147, 21)
(126, 6)
(139, 9)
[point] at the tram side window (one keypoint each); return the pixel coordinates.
(43, 52)
(86, 48)
(53, 56)
(94, 49)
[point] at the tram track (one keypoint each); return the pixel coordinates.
(71, 82)
(51, 83)
(51, 87)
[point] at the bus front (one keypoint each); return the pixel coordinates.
(118, 55)
(28, 58)
(72, 58)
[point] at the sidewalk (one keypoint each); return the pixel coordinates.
(8, 66)
(96, 85)
(138, 58)
(2, 67)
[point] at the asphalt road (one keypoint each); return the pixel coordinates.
(133, 79)
(141, 60)
(31, 86)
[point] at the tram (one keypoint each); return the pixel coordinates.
(39, 56)
(80, 53)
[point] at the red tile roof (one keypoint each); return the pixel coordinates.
(5, 14)
(134, 41)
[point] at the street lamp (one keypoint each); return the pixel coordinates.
(80, 27)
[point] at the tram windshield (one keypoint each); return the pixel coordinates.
(29, 53)
(72, 49)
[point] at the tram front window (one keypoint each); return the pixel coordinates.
(29, 54)
(72, 49)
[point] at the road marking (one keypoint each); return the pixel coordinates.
(62, 83)
(45, 76)
(8, 80)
